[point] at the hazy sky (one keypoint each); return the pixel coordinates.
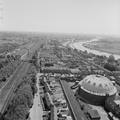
(71, 16)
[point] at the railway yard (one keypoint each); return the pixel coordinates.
(52, 75)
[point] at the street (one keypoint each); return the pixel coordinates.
(36, 111)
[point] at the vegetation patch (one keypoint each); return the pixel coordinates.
(23, 97)
(8, 65)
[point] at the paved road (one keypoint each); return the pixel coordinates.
(36, 111)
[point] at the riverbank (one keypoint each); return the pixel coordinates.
(109, 45)
(101, 49)
(87, 46)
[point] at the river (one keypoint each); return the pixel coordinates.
(79, 46)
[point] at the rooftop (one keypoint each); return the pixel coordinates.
(97, 84)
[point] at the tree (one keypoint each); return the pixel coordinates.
(110, 66)
(8, 56)
(17, 109)
(75, 50)
(1, 65)
(69, 49)
(19, 99)
(19, 113)
(3, 79)
(26, 91)
(23, 98)
(86, 51)
(111, 59)
(21, 103)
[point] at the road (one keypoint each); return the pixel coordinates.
(36, 111)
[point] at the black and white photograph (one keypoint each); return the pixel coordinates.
(59, 59)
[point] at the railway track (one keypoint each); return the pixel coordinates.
(7, 91)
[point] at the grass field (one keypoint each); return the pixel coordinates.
(110, 46)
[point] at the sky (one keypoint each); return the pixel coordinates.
(64, 16)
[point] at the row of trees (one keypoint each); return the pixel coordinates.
(8, 65)
(23, 98)
(34, 60)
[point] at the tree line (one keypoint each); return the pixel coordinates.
(23, 97)
(8, 65)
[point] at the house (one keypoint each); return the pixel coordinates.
(113, 106)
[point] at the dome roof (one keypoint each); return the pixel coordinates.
(97, 84)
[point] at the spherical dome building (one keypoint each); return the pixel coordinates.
(95, 89)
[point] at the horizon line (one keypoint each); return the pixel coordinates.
(45, 32)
